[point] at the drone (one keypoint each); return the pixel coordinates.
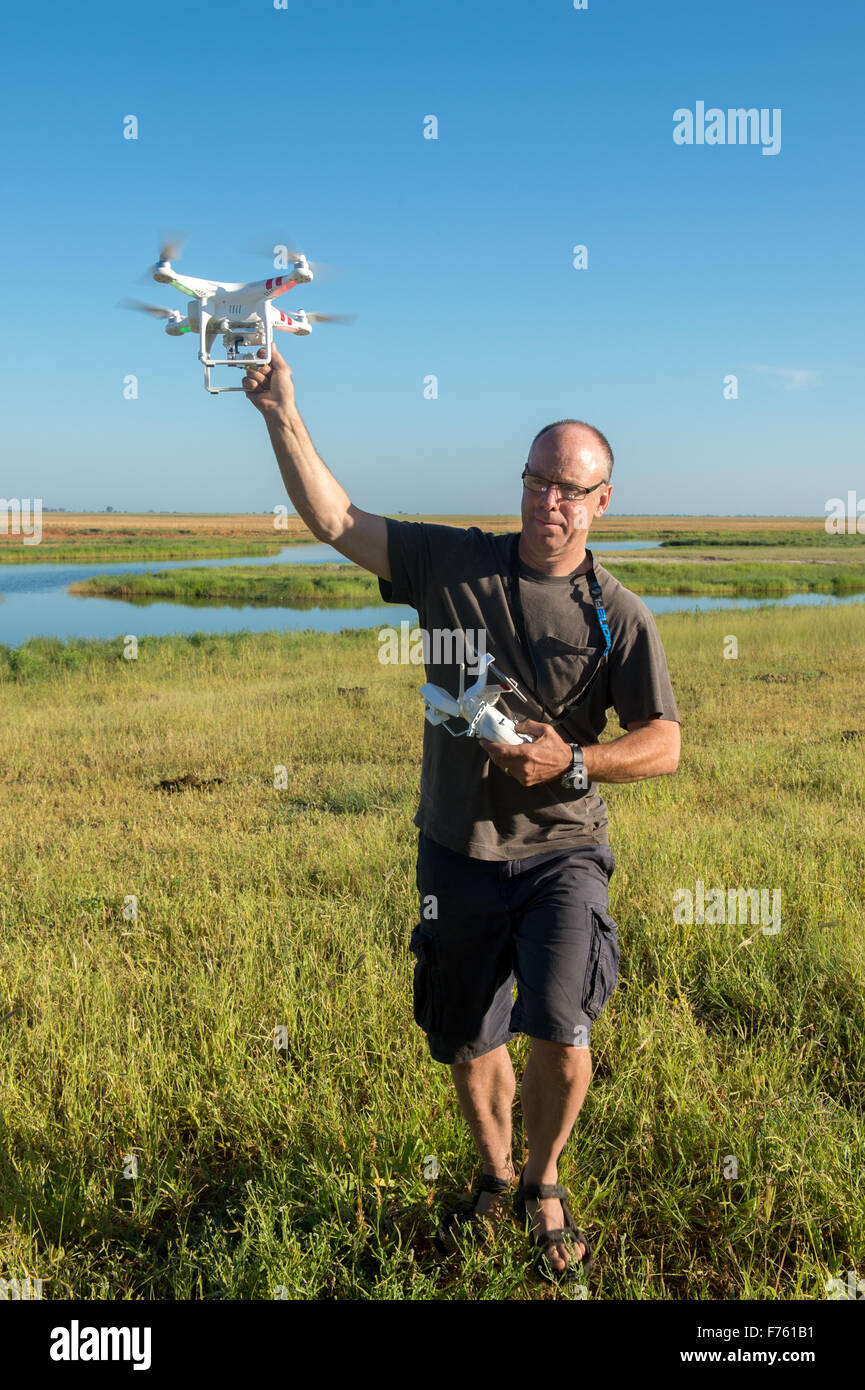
(475, 706)
(244, 314)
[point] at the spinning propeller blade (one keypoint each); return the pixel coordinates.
(172, 245)
(156, 311)
(284, 249)
(331, 318)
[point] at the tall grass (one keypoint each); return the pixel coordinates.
(151, 1035)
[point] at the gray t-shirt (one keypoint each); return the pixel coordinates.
(462, 580)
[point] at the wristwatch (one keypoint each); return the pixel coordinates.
(576, 778)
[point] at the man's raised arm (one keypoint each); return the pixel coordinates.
(321, 502)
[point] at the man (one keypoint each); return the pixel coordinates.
(515, 861)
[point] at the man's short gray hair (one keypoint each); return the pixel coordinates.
(603, 443)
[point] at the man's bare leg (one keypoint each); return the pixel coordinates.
(486, 1087)
(554, 1086)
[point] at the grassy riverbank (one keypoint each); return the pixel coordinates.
(287, 584)
(150, 1034)
(733, 578)
(818, 539)
(68, 537)
(273, 584)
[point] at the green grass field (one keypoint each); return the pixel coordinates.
(101, 537)
(150, 1034)
(118, 548)
(852, 542)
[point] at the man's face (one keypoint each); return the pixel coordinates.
(567, 455)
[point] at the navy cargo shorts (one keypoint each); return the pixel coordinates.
(541, 921)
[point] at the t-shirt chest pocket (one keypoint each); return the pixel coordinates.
(562, 668)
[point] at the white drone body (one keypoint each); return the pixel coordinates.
(244, 313)
(475, 705)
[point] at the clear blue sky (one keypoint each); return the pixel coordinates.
(555, 128)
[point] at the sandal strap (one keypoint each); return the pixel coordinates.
(563, 1235)
(488, 1183)
(547, 1238)
(540, 1191)
(569, 1234)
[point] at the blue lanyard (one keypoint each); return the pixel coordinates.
(516, 608)
(598, 601)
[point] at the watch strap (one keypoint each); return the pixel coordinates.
(575, 776)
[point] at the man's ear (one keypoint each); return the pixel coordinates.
(602, 509)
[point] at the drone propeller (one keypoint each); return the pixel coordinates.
(156, 311)
(331, 318)
(286, 250)
(172, 245)
(294, 323)
(170, 248)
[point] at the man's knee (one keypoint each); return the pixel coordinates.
(563, 1056)
(495, 1059)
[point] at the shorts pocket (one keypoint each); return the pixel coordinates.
(422, 944)
(602, 969)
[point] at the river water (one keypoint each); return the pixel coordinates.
(35, 602)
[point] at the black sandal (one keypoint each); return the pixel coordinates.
(464, 1220)
(570, 1233)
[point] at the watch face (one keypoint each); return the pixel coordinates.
(577, 778)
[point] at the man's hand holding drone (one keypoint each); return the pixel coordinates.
(271, 389)
(542, 760)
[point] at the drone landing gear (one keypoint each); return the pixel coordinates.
(235, 341)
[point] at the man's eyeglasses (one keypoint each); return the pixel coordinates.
(572, 493)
